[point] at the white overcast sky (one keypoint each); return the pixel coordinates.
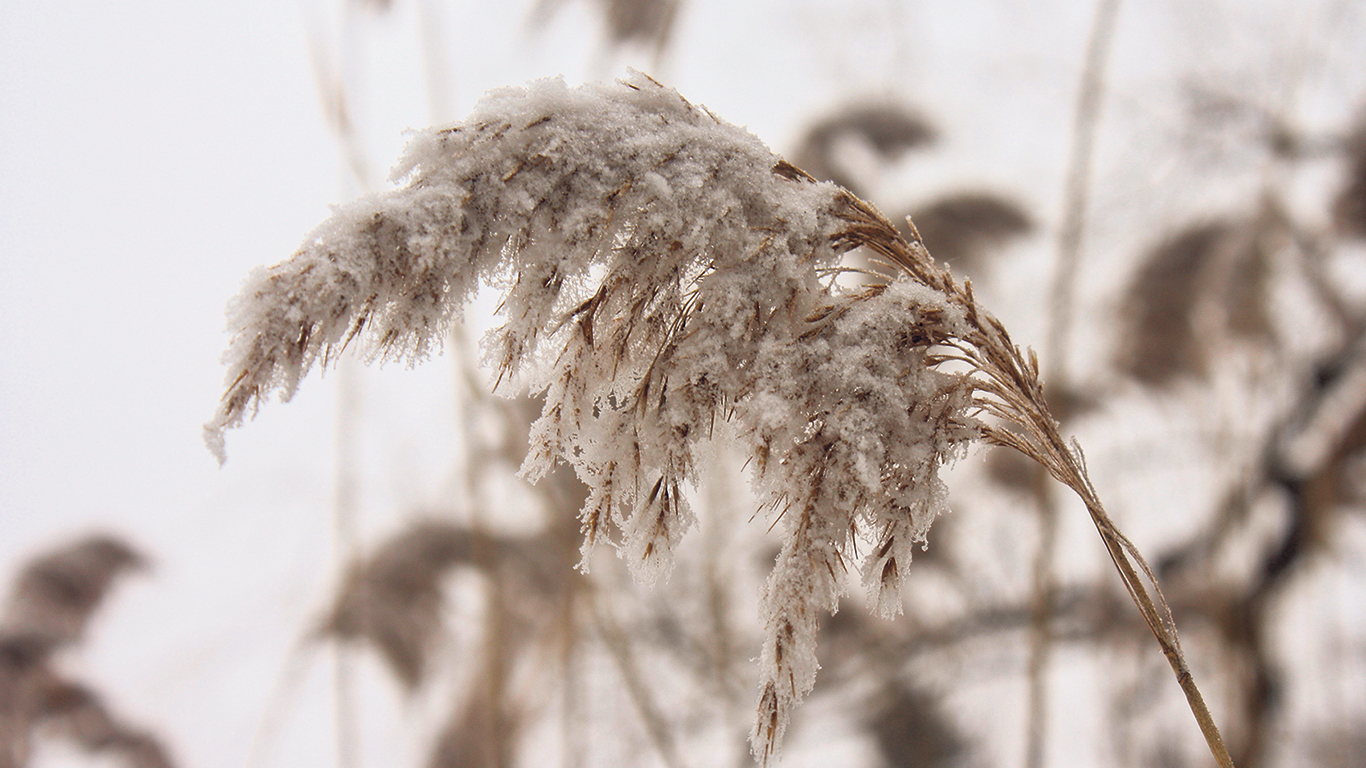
(153, 151)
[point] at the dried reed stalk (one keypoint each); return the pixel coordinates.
(1008, 387)
(628, 666)
(1061, 307)
(663, 271)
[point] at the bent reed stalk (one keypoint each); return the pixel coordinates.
(663, 272)
(1009, 388)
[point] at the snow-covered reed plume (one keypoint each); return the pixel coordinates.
(662, 271)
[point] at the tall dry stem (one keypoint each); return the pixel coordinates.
(1061, 307)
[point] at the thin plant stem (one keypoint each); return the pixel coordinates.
(1061, 307)
(1072, 230)
(345, 547)
(1041, 610)
(435, 66)
(619, 646)
(573, 731)
(336, 108)
(345, 714)
(490, 692)
(283, 696)
(493, 689)
(334, 88)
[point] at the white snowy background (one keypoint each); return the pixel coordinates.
(153, 152)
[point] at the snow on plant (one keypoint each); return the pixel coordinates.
(662, 270)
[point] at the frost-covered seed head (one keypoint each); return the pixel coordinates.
(660, 271)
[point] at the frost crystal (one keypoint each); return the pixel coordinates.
(661, 270)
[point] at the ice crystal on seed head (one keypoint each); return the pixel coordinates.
(660, 270)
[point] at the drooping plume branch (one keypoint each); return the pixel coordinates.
(661, 272)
